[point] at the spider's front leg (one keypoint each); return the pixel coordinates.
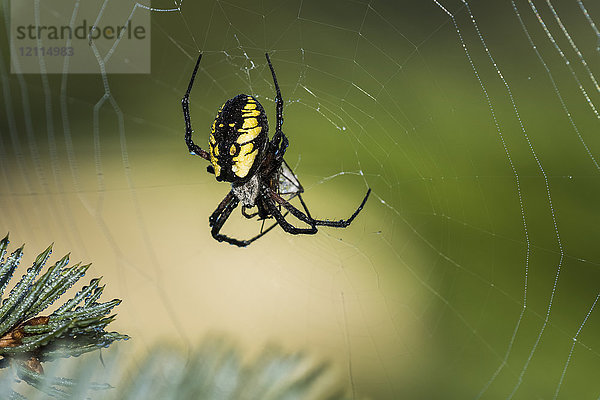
(185, 104)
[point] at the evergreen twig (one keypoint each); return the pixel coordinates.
(28, 339)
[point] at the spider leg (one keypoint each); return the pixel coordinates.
(222, 213)
(286, 226)
(281, 150)
(263, 233)
(304, 206)
(185, 104)
(216, 215)
(278, 104)
(218, 218)
(316, 222)
(249, 216)
(279, 136)
(342, 223)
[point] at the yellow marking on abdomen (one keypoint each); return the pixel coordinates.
(232, 150)
(250, 113)
(249, 123)
(248, 134)
(215, 161)
(245, 160)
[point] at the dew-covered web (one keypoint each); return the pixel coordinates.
(473, 270)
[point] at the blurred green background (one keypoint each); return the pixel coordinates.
(471, 268)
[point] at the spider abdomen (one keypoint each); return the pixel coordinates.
(238, 139)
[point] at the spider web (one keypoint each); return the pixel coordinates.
(472, 272)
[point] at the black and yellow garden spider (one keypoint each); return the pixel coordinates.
(240, 152)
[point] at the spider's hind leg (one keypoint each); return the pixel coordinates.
(307, 218)
(342, 223)
(274, 200)
(286, 226)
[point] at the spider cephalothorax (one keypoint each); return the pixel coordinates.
(240, 152)
(238, 138)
